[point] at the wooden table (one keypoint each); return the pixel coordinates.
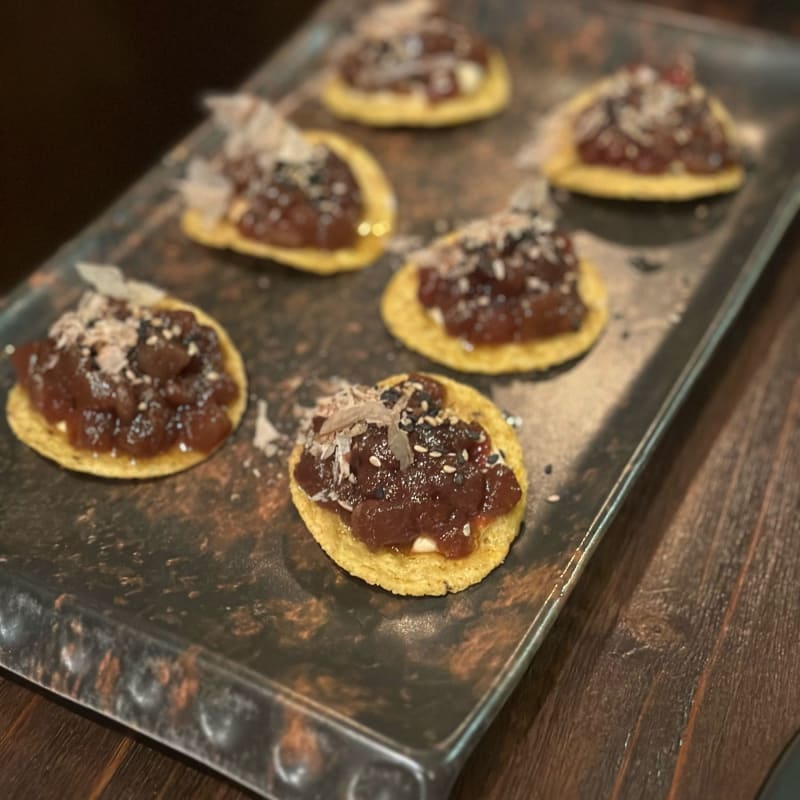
(673, 671)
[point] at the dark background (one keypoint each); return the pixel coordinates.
(92, 92)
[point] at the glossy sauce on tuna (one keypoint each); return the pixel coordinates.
(510, 278)
(653, 122)
(434, 56)
(454, 484)
(316, 204)
(128, 379)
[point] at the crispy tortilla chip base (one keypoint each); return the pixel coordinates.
(424, 573)
(407, 320)
(563, 167)
(379, 213)
(388, 109)
(30, 427)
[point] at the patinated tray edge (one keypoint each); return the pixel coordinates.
(436, 768)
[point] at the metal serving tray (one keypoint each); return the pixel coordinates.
(197, 610)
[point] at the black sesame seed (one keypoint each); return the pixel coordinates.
(379, 493)
(390, 396)
(474, 435)
(644, 264)
(548, 469)
(502, 454)
(493, 458)
(458, 478)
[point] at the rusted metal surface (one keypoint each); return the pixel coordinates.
(197, 610)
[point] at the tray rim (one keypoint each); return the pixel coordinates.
(447, 756)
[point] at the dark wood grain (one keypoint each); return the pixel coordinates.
(674, 669)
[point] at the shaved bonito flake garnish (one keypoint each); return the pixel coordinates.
(347, 414)
(254, 129)
(266, 437)
(108, 280)
(460, 256)
(390, 19)
(206, 190)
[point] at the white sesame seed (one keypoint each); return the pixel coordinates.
(465, 454)
(375, 461)
(466, 530)
(418, 448)
(553, 498)
(9, 349)
(449, 469)
(435, 454)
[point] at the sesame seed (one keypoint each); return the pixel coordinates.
(176, 330)
(142, 406)
(167, 334)
(418, 448)
(375, 461)
(213, 376)
(424, 405)
(151, 340)
(9, 349)
(448, 469)
(548, 469)
(435, 454)
(466, 530)
(465, 454)
(192, 349)
(553, 498)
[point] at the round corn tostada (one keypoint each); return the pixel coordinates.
(51, 440)
(423, 329)
(372, 233)
(390, 109)
(424, 570)
(408, 63)
(564, 167)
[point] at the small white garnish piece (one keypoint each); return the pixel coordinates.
(375, 461)
(109, 281)
(553, 498)
(469, 76)
(267, 436)
(424, 544)
(206, 191)
(466, 530)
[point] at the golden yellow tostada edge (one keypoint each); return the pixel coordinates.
(376, 225)
(563, 168)
(390, 109)
(424, 573)
(31, 428)
(408, 320)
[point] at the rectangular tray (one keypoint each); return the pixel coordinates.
(198, 611)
